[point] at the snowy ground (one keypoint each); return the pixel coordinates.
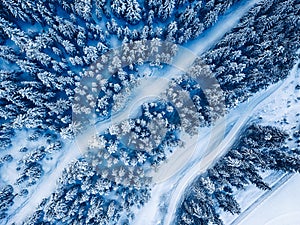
(9, 174)
(281, 208)
(252, 197)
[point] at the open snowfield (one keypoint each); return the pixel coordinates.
(280, 208)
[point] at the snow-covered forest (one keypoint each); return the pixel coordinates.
(259, 149)
(96, 96)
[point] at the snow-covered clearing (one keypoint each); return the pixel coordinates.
(257, 198)
(251, 197)
(9, 174)
(45, 187)
(281, 207)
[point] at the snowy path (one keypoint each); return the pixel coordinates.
(149, 87)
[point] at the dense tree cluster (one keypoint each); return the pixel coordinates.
(192, 18)
(259, 51)
(6, 199)
(200, 85)
(37, 88)
(80, 199)
(260, 148)
(136, 144)
(130, 10)
(30, 166)
(44, 67)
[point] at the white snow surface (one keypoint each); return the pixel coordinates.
(281, 208)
